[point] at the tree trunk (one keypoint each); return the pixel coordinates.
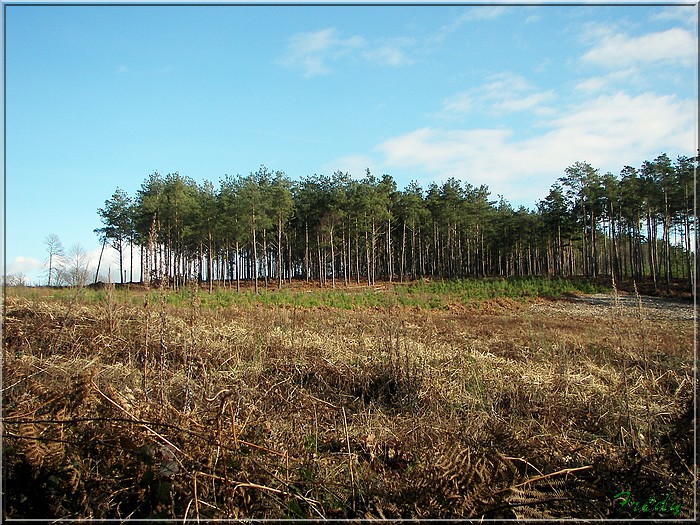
(265, 261)
(346, 258)
(307, 270)
(290, 262)
(98, 263)
(594, 248)
(279, 253)
(142, 265)
(332, 259)
(238, 267)
(688, 247)
(210, 269)
(390, 269)
(374, 257)
(403, 253)
(321, 262)
(651, 242)
(367, 253)
(255, 261)
(667, 244)
(121, 261)
(131, 263)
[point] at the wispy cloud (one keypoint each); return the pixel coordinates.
(311, 52)
(686, 14)
(457, 105)
(609, 81)
(675, 46)
(391, 55)
(502, 93)
(314, 52)
(469, 15)
(477, 14)
(608, 131)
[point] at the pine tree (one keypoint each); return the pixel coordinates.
(118, 225)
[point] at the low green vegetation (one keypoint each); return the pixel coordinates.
(470, 290)
(423, 294)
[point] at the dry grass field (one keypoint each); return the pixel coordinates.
(124, 405)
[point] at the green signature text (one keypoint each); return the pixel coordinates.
(651, 504)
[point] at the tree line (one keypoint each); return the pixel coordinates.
(266, 228)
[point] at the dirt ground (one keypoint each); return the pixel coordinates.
(624, 304)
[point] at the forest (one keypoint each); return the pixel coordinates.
(269, 229)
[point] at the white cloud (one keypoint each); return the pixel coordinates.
(683, 14)
(443, 152)
(618, 129)
(675, 46)
(471, 14)
(502, 93)
(608, 81)
(523, 103)
(476, 14)
(25, 265)
(461, 103)
(314, 52)
(483, 12)
(608, 131)
(504, 82)
(388, 55)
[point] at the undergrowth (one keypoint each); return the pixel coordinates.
(131, 404)
(423, 294)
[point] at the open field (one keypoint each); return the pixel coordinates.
(533, 401)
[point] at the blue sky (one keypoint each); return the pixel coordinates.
(509, 96)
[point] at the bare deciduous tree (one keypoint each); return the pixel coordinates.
(74, 271)
(56, 253)
(15, 279)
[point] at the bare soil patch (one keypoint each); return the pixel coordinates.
(623, 304)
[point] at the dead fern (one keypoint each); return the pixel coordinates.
(461, 482)
(550, 499)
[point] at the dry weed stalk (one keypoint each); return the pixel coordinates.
(350, 458)
(491, 414)
(110, 307)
